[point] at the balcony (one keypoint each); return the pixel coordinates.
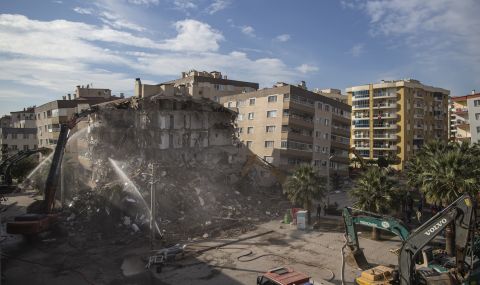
(384, 147)
(418, 127)
(418, 116)
(361, 97)
(439, 128)
(418, 137)
(361, 116)
(384, 116)
(385, 126)
(361, 136)
(384, 95)
(418, 96)
(460, 110)
(385, 136)
(418, 106)
(360, 127)
(360, 107)
(362, 147)
(385, 105)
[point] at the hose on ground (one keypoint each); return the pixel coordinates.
(241, 258)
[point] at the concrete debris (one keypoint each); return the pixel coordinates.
(71, 217)
(135, 228)
(205, 235)
(126, 221)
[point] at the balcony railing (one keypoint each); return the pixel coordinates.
(357, 107)
(385, 136)
(385, 146)
(362, 146)
(418, 116)
(385, 105)
(385, 126)
(361, 126)
(385, 116)
(384, 95)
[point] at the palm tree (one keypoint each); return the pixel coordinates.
(303, 186)
(443, 172)
(375, 192)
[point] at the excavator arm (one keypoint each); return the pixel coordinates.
(461, 212)
(353, 217)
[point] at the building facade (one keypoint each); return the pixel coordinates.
(393, 119)
(332, 93)
(211, 85)
(288, 125)
(465, 118)
(18, 132)
(51, 115)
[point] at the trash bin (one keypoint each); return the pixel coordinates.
(301, 220)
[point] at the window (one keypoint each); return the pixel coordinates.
(5, 136)
(25, 136)
(270, 129)
(317, 148)
(327, 108)
(272, 114)
(250, 130)
(476, 103)
(249, 144)
(325, 136)
(251, 115)
(286, 112)
(252, 101)
(319, 106)
(25, 147)
(318, 134)
(324, 163)
(478, 130)
(326, 122)
(268, 159)
(240, 117)
(14, 136)
(239, 130)
(230, 104)
(269, 144)
(325, 149)
(272, 98)
(14, 147)
(477, 116)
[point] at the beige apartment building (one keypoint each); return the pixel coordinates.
(465, 118)
(395, 118)
(51, 115)
(212, 85)
(288, 125)
(18, 132)
(333, 93)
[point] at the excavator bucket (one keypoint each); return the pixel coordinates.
(357, 259)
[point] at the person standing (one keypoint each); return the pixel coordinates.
(319, 211)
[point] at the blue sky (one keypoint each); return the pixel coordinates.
(47, 47)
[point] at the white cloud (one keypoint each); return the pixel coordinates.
(217, 5)
(84, 11)
(119, 23)
(357, 49)
(57, 55)
(248, 30)
(194, 35)
(144, 2)
(184, 5)
(306, 68)
(283, 37)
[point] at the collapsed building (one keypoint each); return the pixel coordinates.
(199, 176)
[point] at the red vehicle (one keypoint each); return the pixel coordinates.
(284, 276)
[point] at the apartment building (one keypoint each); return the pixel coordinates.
(51, 115)
(288, 125)
(395, 118)
(212, 85)
(18, 132)
(465, 118)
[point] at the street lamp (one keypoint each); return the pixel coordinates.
(153, 224)
(328, 179)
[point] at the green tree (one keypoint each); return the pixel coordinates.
(304, 186)
(375, 192)
(443, 172)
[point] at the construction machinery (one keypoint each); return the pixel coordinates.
(253, 160)
(353, 217)
(461, 215)
(41, 216)
(6, 179)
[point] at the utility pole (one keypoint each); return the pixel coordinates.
(152, 208)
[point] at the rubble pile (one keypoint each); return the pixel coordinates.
(200, 190)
